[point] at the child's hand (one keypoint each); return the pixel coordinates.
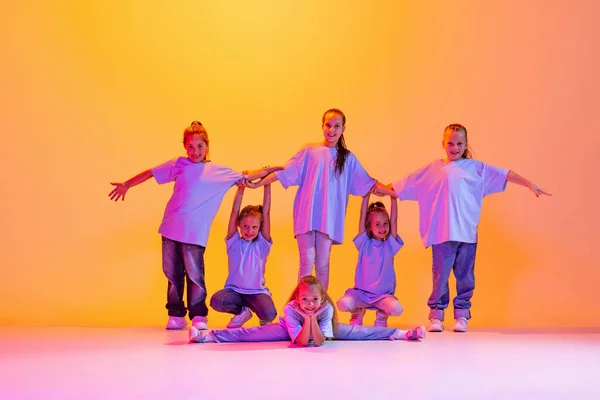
(320, 310)
(537, 190)
(118, 192)
(375, 190)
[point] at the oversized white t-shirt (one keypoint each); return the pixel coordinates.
(322, 196)
(197, 194)
(247, 261)
(450, 195)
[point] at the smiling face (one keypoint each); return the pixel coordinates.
(333, 127)
(196, 148)
(455, 144)
(249, 227)
(309, 298)
(379, 225)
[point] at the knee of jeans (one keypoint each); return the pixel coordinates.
(216, 302)
(307, 258)
(397, 310)
(269, 315)
(346, 304)
(322, 262)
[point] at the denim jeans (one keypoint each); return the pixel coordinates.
(314, 248)
(460, 258)
(230, 301)
(278, 332)
(184, 262)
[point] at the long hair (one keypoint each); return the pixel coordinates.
(342, 150)
(376, 208)
(308, 281)
(196, 129)
(459, 128)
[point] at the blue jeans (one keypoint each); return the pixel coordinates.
(184, 262)
(230, 301)
(278, 332)
(460, 258)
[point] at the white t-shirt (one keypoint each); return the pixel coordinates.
(450, 195)
(197, 194)
(292, 319)
(322, 196)
(375, 277)
(247, 261)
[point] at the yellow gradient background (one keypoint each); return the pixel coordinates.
(94, 92)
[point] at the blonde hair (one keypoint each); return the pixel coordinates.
(251, 211)
(196, 129)
(308, 281)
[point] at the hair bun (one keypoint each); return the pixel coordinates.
(376, 204)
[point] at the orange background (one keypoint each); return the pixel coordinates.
(94, 92)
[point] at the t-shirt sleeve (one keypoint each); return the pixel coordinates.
(325, 320)
(360, 240)
(406, 188)
(291, 174)
(264, 246)
(293, 321)
(360, 180)
(494, 179)
(395, 244)
(232, 241)
(164, 172)
(228, 176)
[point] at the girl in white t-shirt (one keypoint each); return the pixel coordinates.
(450, 192)
(247, 251)
(326, 174)
(197, 194)
(377, 243)
(309, 317)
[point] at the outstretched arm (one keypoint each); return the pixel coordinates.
(235, 212)
(267, 180)
(266, 212)
(261, 173)
(363, 213)
(522, 181)
(121, 188)
(394, 217)
(379, 189)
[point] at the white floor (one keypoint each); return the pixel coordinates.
(151, 363)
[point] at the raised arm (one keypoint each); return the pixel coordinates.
(266, 213)
(235, 212)
(394, 217)
(522, 181)
(379, 189)
(363, 213)
(121, 188)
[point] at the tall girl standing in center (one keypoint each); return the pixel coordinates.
(326, 174)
